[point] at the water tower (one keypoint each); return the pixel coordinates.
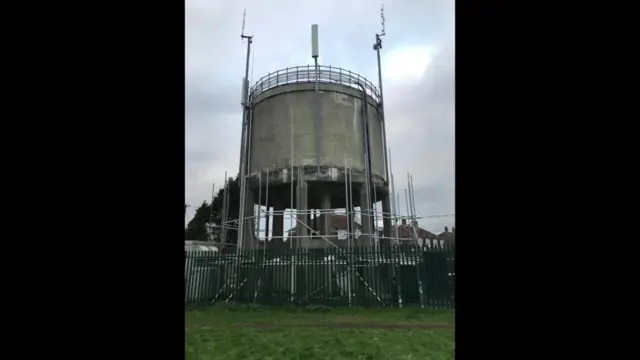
(313, 140)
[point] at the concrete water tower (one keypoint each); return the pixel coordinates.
(315, 136)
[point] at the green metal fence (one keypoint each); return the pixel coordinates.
(387, 276)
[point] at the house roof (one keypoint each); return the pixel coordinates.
(448, 237)
(405, 231)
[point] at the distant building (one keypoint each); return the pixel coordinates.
(448, 237)
(338, 233)
(406, 235)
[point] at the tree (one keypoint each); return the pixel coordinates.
(196, 228)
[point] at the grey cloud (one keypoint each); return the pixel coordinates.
(421, 121)
(201, 100)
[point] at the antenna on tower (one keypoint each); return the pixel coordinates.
(244, 15)
(382, 18)
(378, 45)
(245, 80)
(314, 41)
(242, 35)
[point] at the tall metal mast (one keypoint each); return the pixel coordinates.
(244, 156)
(386, 201)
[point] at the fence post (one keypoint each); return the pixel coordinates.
(397, 274)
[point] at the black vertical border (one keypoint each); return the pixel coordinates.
(107, 126)
(509, 283)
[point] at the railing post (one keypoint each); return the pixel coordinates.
(364, 82)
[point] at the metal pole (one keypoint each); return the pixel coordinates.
(367, 155)
(374, 206)
(213, 195)
(352, 214)
(391, 192)
(350, 227)
(223, 229)
(394, 206)
(291, 181)
(316, 72)
(226, 207)
(377, 46)
(406, 201)
(398, 215)
(246, 97)
(247, 162)
(259, 206)
(249, 41)
(413, 197)
(243, 152)
(267, 227)
(417, 252)
(223, 226)
(346, 203)
(291, 215)
(410, 196)
(258, 217)
(410, 200)
(241, 213)
(298, 207)
(414, 221)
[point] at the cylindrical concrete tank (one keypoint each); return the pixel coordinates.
(325, 119)
(306, 127)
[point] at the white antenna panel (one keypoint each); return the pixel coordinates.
(314, 40)
(244, 91)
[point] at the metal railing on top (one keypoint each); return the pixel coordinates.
(308, 74)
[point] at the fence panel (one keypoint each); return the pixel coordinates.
(365, 276)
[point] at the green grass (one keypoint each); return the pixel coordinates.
(341, 333)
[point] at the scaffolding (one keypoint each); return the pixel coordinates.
(239, 274)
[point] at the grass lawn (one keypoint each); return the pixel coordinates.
(341, 333)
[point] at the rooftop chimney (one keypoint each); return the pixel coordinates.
(453, 229)
(446, 229)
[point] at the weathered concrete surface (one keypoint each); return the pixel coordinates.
(339, 130)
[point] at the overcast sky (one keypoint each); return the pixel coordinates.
(418, 71)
